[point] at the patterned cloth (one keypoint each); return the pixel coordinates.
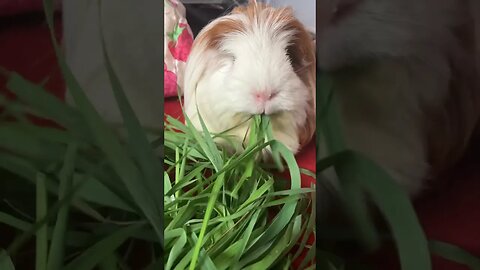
(178, 39)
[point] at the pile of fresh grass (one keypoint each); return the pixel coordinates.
(92, 198)
(227, 211)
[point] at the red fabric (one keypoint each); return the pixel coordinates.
(450, 212)
(15, 7)
(12, 7)
(25, 48)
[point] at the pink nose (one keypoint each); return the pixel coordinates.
(262, 97)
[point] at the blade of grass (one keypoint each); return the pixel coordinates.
(53, 209)
(355, 203)
(216, 189)
(184, 214)
(310, 229)
(23, 168)
(397, 209)
(206, 143)
(455, 254)
(57, 246)
(38, 98)
(14, 222)
(257, 194)
(51, 135)
(227, 259)
(204, 260)
(266, 126)
(352, 195)
(103, 248)
(167, 184)
(23, 143)
(273, 255)
(330, 127)
(251, 163)
(287, 211)
(94, 191)
(5, 261)
(308, 258)
(42, 232)
(176, 250)
(236, 250)
(102, 178)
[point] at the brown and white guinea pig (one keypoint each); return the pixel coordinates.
(255, 60)
(405, 78)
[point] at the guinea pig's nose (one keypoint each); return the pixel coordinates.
(263, 96)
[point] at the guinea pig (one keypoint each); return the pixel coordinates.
(255, 60)
(406, 81)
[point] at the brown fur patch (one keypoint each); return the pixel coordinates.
(260, 11)
(214, 35)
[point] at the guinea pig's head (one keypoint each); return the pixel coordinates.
(264, 60)
(350, 32)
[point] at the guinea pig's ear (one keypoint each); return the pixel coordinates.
(301, 52)
(205, 51)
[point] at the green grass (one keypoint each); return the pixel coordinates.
(93, 199)
(220, 220)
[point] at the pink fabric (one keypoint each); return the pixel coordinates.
(178, 40)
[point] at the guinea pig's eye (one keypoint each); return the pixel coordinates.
(230, 57)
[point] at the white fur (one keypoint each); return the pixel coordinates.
(403, 47)
(220, 82)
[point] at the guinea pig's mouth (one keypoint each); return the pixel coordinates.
(271, 115)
